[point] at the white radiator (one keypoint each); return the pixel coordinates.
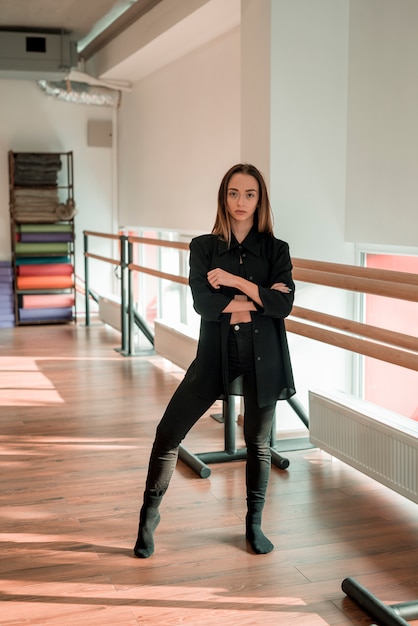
(379, 443)
(175, 342)
(109, 311)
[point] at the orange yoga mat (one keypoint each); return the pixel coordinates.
(46, 269)
(46, 301)
(44, 282)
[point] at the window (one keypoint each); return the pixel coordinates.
(156, 297)
(387, 385)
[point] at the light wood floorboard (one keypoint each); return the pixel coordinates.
(77, 421)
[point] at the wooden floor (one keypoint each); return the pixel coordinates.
(77, 421)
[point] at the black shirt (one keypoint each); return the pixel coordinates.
(265, 261)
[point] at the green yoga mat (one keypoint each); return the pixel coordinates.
(41, 248)
(45, 228)
(42, 259)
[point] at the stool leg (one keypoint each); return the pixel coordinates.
(277, 459)
(194, 462)
(382, 613)
(407, 610)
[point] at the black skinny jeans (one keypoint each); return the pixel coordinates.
(185, 408)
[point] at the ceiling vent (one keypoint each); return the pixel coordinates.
(36, 55)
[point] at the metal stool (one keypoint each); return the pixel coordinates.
(197, 462)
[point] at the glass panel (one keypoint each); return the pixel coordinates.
(156, 297)
(387, 385)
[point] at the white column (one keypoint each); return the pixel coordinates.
(255, 83)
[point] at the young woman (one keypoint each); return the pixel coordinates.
(242, 287)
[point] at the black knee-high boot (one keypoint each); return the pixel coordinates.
(257, 431)
(160, 470)
(183, 410)
(257, 475)
(149, 518)
(259, 543)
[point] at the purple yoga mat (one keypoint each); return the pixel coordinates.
(7, 317)
(6, 304)
(41, 315)
(7, 324)
(45, 237)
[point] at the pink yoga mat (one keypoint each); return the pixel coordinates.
(46, 301)
(44, 282)
(47, 269)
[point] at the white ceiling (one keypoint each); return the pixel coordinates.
(211, 20)
(94, 23)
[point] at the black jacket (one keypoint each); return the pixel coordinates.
(266, 261)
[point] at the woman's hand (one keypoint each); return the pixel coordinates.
(219, 278)
(281, 287)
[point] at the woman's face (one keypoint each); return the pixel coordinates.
(242, 198)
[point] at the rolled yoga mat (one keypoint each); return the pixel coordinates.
(45, 237)
(47, 269)
(44, 282)
(6, 302)
(41, 315)
(45, 301)
(41, 248)
(45, 228)
(41, 260)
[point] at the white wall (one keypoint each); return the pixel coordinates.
(179, 131)
(309, 110)
(382, 158)
(309, 74)
(256, 84)
(31, 121)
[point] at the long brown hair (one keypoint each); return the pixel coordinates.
(263, 219)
